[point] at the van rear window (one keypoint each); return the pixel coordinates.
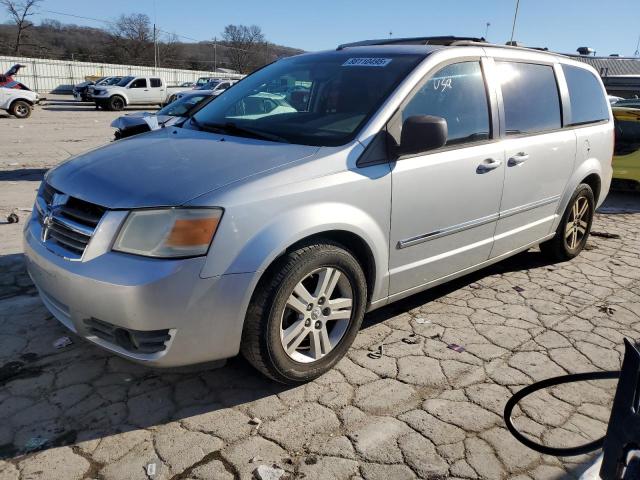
(588, 103)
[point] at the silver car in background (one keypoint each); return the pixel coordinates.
(320, 187)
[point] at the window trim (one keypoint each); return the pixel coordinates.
(491, 106)
(503, 120)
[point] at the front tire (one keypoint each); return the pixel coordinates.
(116, 103)
(574, 228)
(20, 109)
(305, 313)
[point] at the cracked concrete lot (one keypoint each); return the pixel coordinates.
(420, 410)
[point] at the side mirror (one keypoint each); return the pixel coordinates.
(421, 133)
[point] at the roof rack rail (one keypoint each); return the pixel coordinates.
(443, 40)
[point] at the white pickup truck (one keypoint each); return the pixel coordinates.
(133, 91)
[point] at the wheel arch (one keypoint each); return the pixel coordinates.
(21, 99)
(351, 242)
(122, 96)
(589, 172)
(595, 182)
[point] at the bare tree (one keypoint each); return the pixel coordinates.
(132, 35)
(20, 11)
(169, 50)
(243, 44)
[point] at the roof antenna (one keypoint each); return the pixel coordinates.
(515, 17)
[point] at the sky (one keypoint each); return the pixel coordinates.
(561, 25)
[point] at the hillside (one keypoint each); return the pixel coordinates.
(59, 41)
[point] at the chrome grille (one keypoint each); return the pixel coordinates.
(67, 223)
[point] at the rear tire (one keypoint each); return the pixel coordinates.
(20, 109)
(574, 228)
(305, 313)
(116, 103)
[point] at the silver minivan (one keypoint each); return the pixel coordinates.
(319, 188)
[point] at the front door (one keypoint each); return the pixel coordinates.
(540, 154)
(445, 203)
(140, 93)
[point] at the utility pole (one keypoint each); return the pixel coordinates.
(155, 50)
(515, 17)
(155, 40)
(486, 31)
(215, 54)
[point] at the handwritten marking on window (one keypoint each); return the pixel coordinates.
(443, 84)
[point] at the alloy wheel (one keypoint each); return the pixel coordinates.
(317, 315)
(577, 223)
(22, 110)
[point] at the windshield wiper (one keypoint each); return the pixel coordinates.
(230, 127)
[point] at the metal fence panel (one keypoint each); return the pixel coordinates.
(59, 76)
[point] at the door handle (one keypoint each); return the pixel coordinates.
(517, 159)
(488, 165)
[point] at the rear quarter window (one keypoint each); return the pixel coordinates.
(587, 99)
(156, 82)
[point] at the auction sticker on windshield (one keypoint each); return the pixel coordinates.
(367, 62)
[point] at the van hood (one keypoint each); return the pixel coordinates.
(168, 167)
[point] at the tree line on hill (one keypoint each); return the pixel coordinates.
(130, 40)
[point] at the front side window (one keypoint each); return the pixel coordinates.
(314, 99)
(456, 93)
(155, 83)
(530, 96)
(139, 83)
(588, 102)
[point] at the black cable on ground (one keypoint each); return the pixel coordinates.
(552, 382)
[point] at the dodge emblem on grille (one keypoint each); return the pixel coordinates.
(47, 220)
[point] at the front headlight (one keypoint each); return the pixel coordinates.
(168, 232)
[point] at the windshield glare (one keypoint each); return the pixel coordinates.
(318, 99)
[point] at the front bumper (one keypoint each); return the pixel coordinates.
(203, 316)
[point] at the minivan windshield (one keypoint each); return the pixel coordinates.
(315, 99)
(125, 81)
